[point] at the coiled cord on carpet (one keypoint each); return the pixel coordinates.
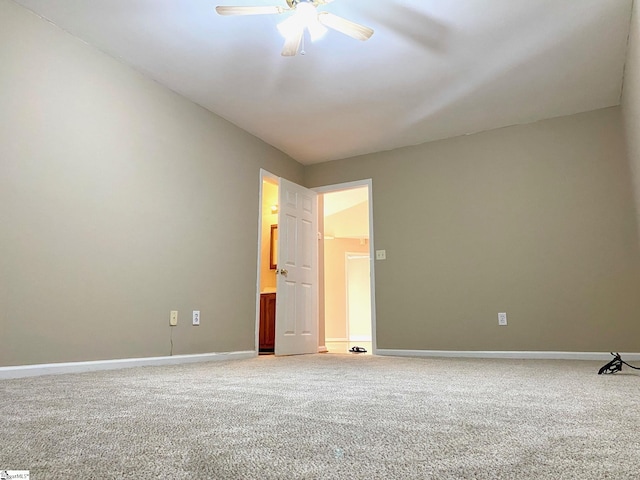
(615, 365)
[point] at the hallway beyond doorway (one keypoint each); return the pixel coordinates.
(346, 252)
(344, 347)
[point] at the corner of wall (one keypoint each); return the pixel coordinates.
(630, 102)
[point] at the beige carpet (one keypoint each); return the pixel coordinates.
(327, 417)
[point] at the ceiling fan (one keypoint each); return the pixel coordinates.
(305, 16)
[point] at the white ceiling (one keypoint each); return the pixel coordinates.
(433, 68)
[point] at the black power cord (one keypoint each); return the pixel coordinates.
(615, 365)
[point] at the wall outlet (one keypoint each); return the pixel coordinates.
(173, 318)
(196, 317)
(381, 254)
(502, 319)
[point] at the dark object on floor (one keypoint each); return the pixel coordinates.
(615, 365)
(358, 350)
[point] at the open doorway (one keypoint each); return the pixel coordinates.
(268, 265)
(282, 311)
(347, 292)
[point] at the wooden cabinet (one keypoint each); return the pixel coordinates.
(267, 322)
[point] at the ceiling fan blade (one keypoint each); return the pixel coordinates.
(342, 25)
(292, 44)
(249, 10)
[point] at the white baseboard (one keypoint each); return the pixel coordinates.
(20, 371)
(540, 355)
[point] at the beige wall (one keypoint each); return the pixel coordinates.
(120, 201)
(535, 220)
(631, 101)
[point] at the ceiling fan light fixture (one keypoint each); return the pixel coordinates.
(316, 30)
(305, 16)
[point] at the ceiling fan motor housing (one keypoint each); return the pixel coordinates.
(293, 3)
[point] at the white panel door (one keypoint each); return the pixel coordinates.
(297, 271)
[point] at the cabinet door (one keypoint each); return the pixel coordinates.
(267, 321)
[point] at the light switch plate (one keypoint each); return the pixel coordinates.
(173, 318)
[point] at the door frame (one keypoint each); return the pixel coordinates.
(348, 186)
(264, 174)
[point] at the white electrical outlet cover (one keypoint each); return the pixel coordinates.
(196, 317)
(502, 318)
(173, 318)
